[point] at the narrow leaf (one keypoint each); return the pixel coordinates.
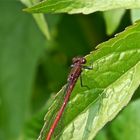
(135, 15)
(112, 19)
(39, 18)
(81, 6)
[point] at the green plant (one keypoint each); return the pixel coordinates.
(37, 67)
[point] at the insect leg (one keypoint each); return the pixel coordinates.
(81, 83)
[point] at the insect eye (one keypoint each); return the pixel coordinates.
(83, 60)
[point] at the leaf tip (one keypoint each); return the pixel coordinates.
(26, 10)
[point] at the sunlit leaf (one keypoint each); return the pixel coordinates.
(112, 19)
(135, 15)
(81, 6)
(112, 83)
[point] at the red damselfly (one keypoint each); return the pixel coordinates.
(75, 73)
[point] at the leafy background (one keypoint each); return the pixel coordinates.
(35, 59)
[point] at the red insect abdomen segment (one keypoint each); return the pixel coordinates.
(74, 73)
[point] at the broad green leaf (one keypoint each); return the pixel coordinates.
(81, 6)
(112, 19)
(21, 46)
(112, 83)
(127, 125)
(135, 15)
(39, 18)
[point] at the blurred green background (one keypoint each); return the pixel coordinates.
(33, 69)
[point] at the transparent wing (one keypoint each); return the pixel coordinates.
(52, 112)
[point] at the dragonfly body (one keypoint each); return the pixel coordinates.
(75, 72)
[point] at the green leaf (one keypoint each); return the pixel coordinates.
(135, 15)
(39, 18)
(112, 83)
(81, 6)
(127, 122)
(20, 49)
(112, 19)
